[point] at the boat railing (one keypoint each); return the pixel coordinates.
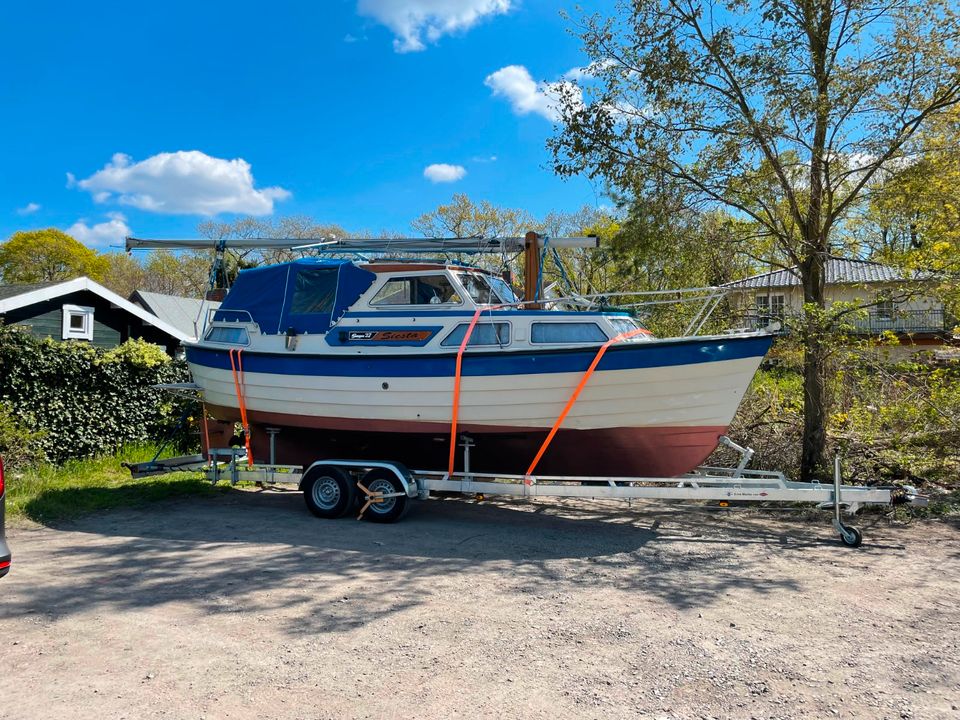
(708, 297)
(229, 315)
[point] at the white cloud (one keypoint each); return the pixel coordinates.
(180, 183)
(412, 21)
(111, 232)
(591, 71)
(526, 95)
(28, 209)
(443, 173)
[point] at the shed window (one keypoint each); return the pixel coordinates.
(483, 334)
(422, 290)
(568, 332)
(77, 322)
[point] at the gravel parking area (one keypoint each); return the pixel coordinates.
(244, 606)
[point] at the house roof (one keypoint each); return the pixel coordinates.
(7, 291)
(186, 314)
(13, 297)
(840, 271)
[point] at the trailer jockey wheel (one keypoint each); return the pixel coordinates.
(380, 481)
(850, 536)
(328, 491)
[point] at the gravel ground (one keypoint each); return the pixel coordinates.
(244, 606)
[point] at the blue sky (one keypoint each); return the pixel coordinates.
(149, 117)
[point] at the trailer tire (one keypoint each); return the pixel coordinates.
(391, 509)
(328, 491)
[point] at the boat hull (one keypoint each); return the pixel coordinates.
(643, 451)
(653, 409)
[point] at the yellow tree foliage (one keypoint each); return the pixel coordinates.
(917, 208)
(48, 255)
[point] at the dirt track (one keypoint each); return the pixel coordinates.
(243, 606)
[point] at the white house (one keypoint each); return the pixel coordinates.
(892, 300)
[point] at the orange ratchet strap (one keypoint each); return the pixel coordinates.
(576, 394)
(456, 381)
(238, 382)
(456, 390)
(206, 434)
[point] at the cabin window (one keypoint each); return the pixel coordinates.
(77, 322)
(479, 289)
(568, 332)
(421, 290)
(231, 335)
(314, 291)
(483, 334)
(502, 289)
(624, 325)
(487, 289)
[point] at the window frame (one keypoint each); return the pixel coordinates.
(68, 332)
(778, 305)
(453, 286)
(239, 328)
(886, 309)
(456, 344)
(597, 325)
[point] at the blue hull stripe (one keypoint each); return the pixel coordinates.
(618, 357)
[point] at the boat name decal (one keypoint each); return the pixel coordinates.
(388, 335)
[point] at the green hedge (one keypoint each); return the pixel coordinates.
(76, 401)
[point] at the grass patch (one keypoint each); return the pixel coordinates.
(49, 493)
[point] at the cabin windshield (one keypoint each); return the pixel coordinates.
(486, 289)
(502, 289)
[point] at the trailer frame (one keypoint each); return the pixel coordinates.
(725, 485)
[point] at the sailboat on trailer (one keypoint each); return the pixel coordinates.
(376, 359)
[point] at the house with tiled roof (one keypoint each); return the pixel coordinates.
(82, 310)
(891, 299)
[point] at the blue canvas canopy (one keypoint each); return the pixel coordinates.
(308, 295)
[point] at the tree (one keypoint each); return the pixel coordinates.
(184, 274)
(814, 96)
(294, 226)
(48, 255)
(463, 218)
(913, 217)
(124, 274)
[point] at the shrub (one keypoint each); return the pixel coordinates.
(80, 401)
(19, 446)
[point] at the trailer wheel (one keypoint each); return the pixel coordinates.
(328, 491)
(850, 536)
(381, 480)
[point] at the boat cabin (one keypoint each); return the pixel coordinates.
(323, 305)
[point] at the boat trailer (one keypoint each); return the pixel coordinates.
(382, 491)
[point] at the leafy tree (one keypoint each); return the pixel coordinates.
(462, 218)
(184, 274)
(814, 96)
(296, 226)
(124, 274)
(48, 255)
(914, 211)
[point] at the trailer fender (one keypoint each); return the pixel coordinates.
(399, 469)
